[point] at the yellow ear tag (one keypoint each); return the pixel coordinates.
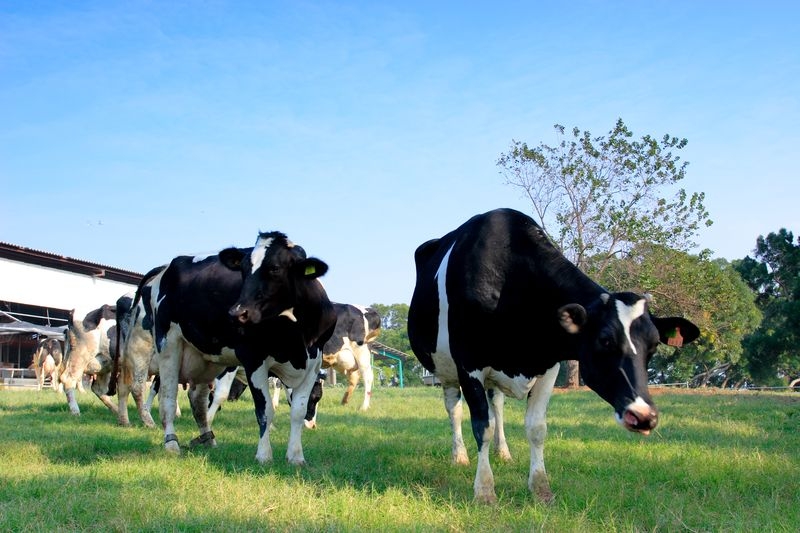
(310, 270)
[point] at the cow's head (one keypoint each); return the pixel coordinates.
(618, 336)
(270, 274)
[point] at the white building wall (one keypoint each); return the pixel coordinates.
(48, 287)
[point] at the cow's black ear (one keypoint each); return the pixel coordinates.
(675, 331)
(232, 258)
(310, 268)
(298, 252)
(572, 317)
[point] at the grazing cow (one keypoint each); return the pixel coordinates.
(89, 350)
(347, 350)
(47, 361)
(497, 306)
(262, 308)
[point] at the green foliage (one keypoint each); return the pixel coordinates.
(717, 462)
(709, 293)
(599, 196)
(773, 351)
(394, 333)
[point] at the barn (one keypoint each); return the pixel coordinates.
(37, 292)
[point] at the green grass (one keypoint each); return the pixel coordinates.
(717, 462)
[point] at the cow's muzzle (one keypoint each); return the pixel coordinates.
(640, 418)
(239, 313)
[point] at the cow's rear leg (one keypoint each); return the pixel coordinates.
(168, 370)
(483, 431)
(198, 399)
(222, 389)
(536, 429)
(496, 401)
(455, 411)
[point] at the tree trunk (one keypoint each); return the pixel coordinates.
(573, 375)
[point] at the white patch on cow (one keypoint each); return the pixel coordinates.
(259, 252)
(445, 366)
(443, 335)
(627, 314)
(200, 258)
(289, 313)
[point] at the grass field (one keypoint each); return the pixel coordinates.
(718, 462)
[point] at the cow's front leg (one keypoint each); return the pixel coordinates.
(300, 395)
(100, 389)
(69, 392)
(123, 389)
(536, 429)
(496, 401)
(259, 389)
(455, 411)
(365, 367)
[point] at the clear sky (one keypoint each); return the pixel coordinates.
(132, 132)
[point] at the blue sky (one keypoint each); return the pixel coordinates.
(132, 132)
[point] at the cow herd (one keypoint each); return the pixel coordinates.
(495, 308)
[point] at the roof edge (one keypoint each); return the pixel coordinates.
(22, 254)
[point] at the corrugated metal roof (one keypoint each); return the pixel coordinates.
(60, 262)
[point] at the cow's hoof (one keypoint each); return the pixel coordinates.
(540, 486)
(486, 498)
(504, 454)
(206, 439)
(172, 447)
(171, 443)
(461, 459)
(297, 461)
(263, 458)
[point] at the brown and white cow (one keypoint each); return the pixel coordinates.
(347, 351)
(89, 350)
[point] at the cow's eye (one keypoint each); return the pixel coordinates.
(605, 343)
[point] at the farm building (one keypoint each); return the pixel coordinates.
(39, 289)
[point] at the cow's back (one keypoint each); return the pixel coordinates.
(197, 295)
(499, 276)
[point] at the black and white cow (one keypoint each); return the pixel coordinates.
(47, 362)
(347, 350)
(262, 308)
(497, 306)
